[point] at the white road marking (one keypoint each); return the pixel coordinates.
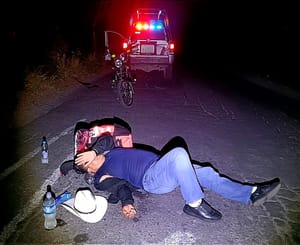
(31, 205)
(31, 154)
(35, 200)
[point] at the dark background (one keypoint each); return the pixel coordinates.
(258, 36)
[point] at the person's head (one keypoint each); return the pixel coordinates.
(93, 166)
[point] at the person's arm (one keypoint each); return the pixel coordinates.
(103, 143)
(120, 190)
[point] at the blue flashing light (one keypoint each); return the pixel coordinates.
(156, 25)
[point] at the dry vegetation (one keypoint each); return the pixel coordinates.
(46, 85)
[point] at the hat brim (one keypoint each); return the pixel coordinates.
(94, 217)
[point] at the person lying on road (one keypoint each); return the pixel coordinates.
(124, 169)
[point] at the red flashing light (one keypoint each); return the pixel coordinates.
(125, 45)
(140, 26)
(172, 46)
(152, 25)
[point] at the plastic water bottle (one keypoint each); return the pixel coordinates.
(49, 209)
(49, 190)
(44, 148)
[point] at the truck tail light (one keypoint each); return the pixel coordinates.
(125, 45)
(171, 46)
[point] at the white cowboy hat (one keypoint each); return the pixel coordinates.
(86, 205)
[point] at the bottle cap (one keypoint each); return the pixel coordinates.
(48, 195)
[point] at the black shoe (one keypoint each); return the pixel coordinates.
(265, 191)
(204, 212)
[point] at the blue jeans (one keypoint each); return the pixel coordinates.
(175, 169)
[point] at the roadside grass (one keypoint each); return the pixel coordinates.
(45, 85)
(62, 68)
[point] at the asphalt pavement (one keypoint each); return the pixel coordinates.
(242, 139)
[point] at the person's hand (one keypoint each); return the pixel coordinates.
(85, 158)
(95, 164)
(129, 211)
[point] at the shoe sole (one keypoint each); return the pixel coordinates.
(268, 196)
(199, 217)
(203, 219)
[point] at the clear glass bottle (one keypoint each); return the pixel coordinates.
(44, 149)
(49, 210)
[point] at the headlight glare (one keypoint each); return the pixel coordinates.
(118, 63)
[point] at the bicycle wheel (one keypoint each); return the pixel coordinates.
(125, 92)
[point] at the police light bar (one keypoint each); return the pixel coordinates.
(152, 25)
